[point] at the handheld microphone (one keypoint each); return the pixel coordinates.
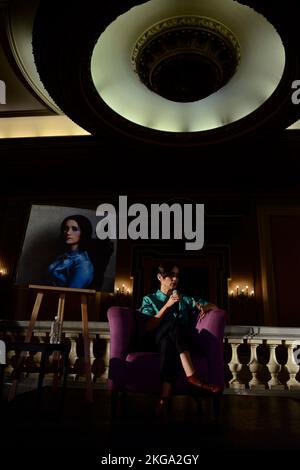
(176, 305)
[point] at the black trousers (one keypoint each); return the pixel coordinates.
(170, 338)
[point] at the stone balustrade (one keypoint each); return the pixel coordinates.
(257, 359)
(261, 359)
(72, 336)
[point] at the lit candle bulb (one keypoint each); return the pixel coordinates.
(237, 290)
(252, 293)
(117, 290)
(123, 288)
(231, 293)
(247, 290)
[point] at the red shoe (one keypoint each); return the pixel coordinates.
(202, 386)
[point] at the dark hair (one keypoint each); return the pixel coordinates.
(165, 268)
(85, 226)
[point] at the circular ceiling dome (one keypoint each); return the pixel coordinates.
(152, 97)
(170, 72)
(186, 58)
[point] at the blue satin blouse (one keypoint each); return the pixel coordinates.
(72, 269)
(152, 304)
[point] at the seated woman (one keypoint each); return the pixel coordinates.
(168, 328)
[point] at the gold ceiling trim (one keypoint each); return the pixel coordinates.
(186, 58)
(178, 22)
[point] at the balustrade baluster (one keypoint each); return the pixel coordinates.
(292, 366)
(92, 356)
(274, 367)
(72, 354)
(254, 366)
(9, 366)
(106, 358)
(235, 365)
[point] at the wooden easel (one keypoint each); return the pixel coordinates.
(61, 291)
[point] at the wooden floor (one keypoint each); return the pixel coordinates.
(249, 425)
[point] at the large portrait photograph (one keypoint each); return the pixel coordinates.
(61, 249)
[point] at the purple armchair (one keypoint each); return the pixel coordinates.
(131, 369)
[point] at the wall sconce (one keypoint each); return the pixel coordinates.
(123, 289)
(123, 293)
(3, 272)
(241, 290)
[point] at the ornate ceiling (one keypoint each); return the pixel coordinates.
(177, 72)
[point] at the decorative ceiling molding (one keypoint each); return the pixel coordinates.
(19, 23)
(186, 58)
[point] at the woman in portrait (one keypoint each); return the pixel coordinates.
(74, 267)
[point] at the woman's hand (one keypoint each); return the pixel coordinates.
(173, 299)
(203, 309)
(154, 321)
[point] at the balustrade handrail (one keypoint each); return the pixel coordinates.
(96, 327)
(75, 327)
(244, 331)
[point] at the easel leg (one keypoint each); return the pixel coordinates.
(86, 345)
(34, 314)
(56, 354)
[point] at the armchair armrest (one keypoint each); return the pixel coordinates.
(210, 341)
(214, 322)
(121, 322)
